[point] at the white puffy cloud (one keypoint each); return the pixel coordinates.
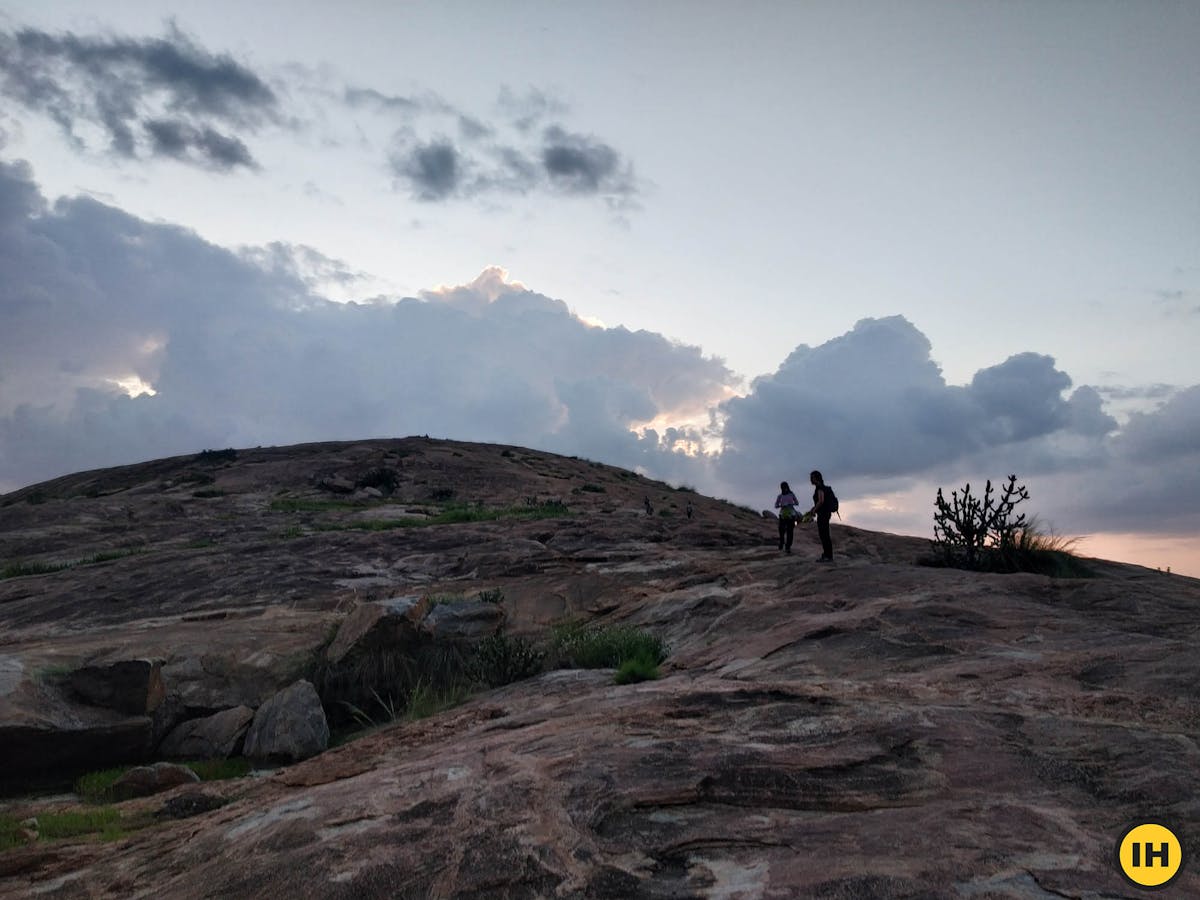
(240, 350)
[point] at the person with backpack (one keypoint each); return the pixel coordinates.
(786, 503)
(825, 504)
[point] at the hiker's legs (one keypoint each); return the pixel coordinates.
(823, 531)
(790, 532)
(782, 532)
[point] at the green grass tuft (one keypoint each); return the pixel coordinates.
(604, 646)
(639, 668)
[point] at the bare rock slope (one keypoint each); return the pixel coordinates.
(872, 728)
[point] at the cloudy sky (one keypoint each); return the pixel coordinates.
(909, 244)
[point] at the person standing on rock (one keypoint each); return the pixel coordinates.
(786, 503)
(822, 509)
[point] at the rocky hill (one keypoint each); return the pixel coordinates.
(871, 728)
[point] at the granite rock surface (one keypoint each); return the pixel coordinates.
(870, 728)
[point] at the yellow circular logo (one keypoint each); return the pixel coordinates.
(1149, 855)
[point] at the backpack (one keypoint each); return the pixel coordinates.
(831, 500)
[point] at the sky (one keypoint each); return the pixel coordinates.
(913, 245)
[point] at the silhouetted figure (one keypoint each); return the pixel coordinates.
(689, 509)
(822, 511)
(786, 503)
(649, 508)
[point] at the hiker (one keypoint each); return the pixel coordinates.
(649, 508)
(786, 503)
(689, 509)
(824, 504)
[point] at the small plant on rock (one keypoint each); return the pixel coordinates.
(501, 660)
(640, 668)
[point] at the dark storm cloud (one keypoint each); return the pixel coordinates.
(165, 96)
(567, 164)
(177, 138)
(579, 164)
(243, 351)
(493, 159)
(433, 170)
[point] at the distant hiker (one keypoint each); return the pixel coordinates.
(786, 503)
(825, 504)
(649, 508)
(689, 509)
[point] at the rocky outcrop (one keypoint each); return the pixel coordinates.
(390, 623)
(464, 622)
(142, 781)
(290, 726)
(133, 686)
(870, 728)
(212, 737)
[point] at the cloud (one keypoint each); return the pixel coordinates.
(241, 349)
(497, 159)
(150, 97)
(578, 164)
(567, 164)
(525, 112)
(434, 170)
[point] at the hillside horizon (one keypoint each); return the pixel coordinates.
(381, 643)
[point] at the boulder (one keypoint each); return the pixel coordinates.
(466, 622)
(290, 726)
(132, 686)
(212, 737)
(143, 781)
(391, 622)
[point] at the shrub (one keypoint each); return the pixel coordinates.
(500, 660)
(604, 646)
(966, 526)
(382, 479)
(639, 668)
(985, 534)
(217, 456)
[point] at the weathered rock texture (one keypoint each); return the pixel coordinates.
(868, 729)
(290, 726)
(212, 737)
(141, 781)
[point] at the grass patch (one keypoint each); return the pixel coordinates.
(96, 787)
(291, 533)
(19, 569)
(426, 700)
(106, 822)
(10, 833)
(109, 555)
(604, 646)
(501, 660)
(208, 493)
(639, 668)
(594, 489)
(52, 826)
